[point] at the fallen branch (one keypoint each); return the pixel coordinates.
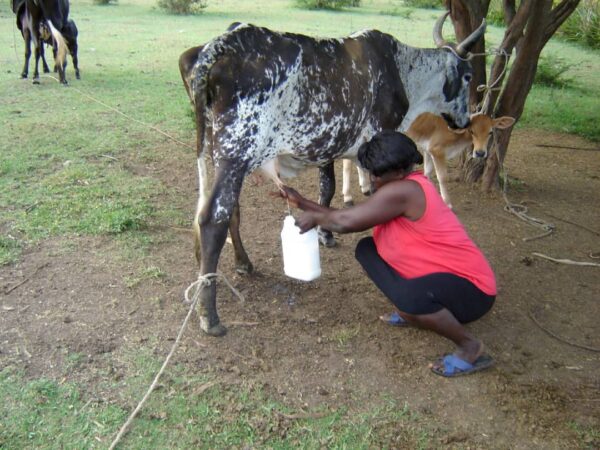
(566, 261)
(568, 147)
(561, 339)
(302, 416)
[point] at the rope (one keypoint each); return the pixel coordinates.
(488, 89)
(125, 115)
(520, 211)
(201, 282)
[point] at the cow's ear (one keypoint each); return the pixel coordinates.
(503, 122)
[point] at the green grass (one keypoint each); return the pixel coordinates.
(188, 411)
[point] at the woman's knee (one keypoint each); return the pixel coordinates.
(364, 248)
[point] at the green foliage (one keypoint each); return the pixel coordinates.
(104, 2)
(550, 72)
(429, 4)
(583, 26)
(495, 15)
(327, 4)
(182, 7)
(405, 13)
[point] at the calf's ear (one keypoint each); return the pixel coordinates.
(503, 122)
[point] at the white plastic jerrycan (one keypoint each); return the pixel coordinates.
(300, 252)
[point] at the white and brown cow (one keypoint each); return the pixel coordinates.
(438, 143)
(281, 102)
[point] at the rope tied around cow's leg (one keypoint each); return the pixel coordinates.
(202, 281)
(205, 281)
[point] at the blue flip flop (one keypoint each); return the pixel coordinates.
(396, 320)
(453, 366)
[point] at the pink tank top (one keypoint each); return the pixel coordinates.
(437, 242)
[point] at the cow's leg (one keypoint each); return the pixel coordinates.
(346, 176)
(36, 73)
(242, 262)
(364, 180)
(73, 50)
(214, 221)
(45, 67)
(27, 39)
(441, 172)
(326, 192)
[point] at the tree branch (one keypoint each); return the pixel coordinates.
(559, 14)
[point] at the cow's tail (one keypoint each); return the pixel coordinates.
(61, 45)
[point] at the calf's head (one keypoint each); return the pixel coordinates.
(480, 129)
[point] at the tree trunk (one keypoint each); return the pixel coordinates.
(529, 27)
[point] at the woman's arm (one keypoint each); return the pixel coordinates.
(393, 199)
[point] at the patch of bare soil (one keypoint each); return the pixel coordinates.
(320, 343)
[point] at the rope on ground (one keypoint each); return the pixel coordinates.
(566, 261)
(125, 115)
(559, 338)
(520, 211)
(202, 281)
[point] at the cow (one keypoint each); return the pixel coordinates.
(23, 24)
(70, 32)
(438, 143)
(55, 13)
(280, 102)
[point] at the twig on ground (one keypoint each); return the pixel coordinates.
(574, 223)
(110, 157)
(561, 339)
(566, 261)
(568, 147)
(12, 288)
(302, 416)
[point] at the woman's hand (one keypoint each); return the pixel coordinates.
(291, 195)
(306, 221)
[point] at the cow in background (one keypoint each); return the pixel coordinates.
(438, 143)
(55, 13)
(280, 102)
(70, 33)
(23, 24)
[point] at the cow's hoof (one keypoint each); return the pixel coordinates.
(24, 76)
(36, 81)
(46, 70)
(244, 268)
(77, 76)
(367, 194)
(217, 330)
(349, 204)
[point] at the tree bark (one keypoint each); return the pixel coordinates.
(529, 27)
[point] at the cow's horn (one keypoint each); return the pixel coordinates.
(462, 49)
(437, 31)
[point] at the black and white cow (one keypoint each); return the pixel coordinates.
(23, 24)
(55, 13)
(70, 32)
(280, 102)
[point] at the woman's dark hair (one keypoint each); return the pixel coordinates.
(389, 151)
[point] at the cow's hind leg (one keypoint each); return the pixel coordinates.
(326, 192)
(214, 222)
(242, 262)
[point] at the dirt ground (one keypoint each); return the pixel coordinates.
(321, 343)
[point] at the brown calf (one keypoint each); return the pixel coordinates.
(439, 143)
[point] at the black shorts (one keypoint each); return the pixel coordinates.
(427, 294)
